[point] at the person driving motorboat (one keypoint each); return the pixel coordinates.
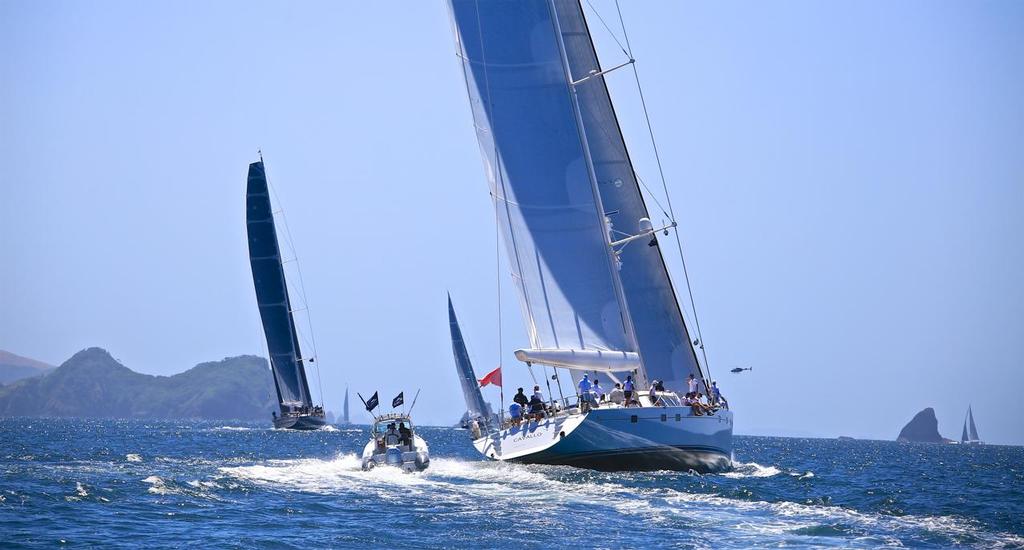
(404, 434)
(391, 437)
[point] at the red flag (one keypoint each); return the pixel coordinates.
(493, 377)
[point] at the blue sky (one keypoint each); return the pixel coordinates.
(848, 177)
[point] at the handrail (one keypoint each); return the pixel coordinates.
(555, 408)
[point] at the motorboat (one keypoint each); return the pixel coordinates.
(393, 442)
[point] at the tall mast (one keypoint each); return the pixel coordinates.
(613, 268)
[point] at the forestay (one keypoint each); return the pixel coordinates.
(272, 294)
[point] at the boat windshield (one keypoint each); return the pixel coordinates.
(383, 426)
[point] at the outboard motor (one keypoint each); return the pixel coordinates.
(393, 457)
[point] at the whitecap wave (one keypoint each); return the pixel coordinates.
(132, 457)
(80, 493)
(751, 469)
(157, 486)
(343, 473)
(196, 488)
(490, 488)
(766, 519)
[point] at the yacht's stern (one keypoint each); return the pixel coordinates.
(635, 438)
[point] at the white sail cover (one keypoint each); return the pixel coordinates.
(536, 166)
(535, 158)
(582, 359)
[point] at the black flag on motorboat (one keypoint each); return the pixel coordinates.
(398, 400)
(371, 403)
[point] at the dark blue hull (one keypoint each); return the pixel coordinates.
(302, 422)
(701, 460)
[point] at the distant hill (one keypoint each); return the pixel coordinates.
(15, 367)
(923, 428)
(92, 384)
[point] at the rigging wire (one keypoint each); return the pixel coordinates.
(609, 29)
(302, 289)
(504, 193)
(664, 184)
(497, 285)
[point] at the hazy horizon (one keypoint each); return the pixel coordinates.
(847, 177)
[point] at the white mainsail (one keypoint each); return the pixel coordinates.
(565, 189)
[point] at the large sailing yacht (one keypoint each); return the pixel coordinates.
(297, 410)
(593, 285)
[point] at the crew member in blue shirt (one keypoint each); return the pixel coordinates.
(585, 387)
(515, 410)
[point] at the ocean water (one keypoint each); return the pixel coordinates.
(117, 483)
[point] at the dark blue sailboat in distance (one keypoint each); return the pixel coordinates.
(478, 411)
(296, 405)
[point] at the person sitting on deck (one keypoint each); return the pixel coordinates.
(536, 407)
(659, 385)
(616, 395)
(538, 394)
(521, 398)
(596, 392)
(515, 411)
(699, 401)
(404, 434)
(693, 402)
(391, 436)
(653, 394)
(705, 403)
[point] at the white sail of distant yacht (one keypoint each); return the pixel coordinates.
(477, 409)
(970, 433)
(345, 418)
(593, 285)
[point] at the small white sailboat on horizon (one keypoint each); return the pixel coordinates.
(594, 288)
(970, 433)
